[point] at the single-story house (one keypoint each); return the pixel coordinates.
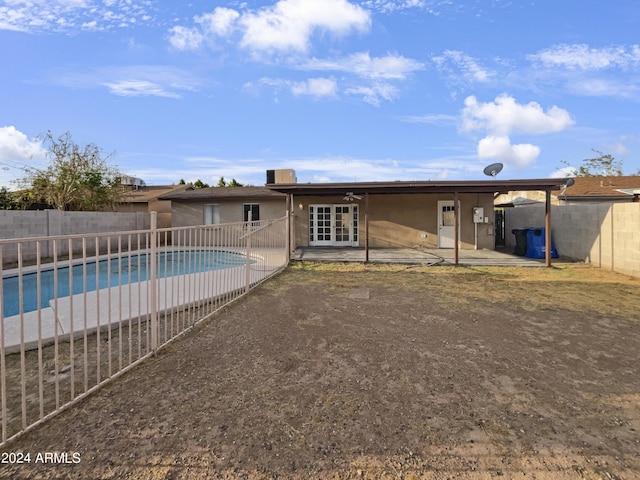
(145, 199)
(426, 214)
(615, 189)
(213, 205)
(429, 214)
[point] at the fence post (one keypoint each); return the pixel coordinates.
(152, 281)
(248, 259)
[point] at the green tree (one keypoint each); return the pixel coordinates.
(604, 165)
(200, 184)
(182, 182)
(77, 178)
(7, 200)
(233, 183)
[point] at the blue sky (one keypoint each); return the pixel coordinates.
(360, 90)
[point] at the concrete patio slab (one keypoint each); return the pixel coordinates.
(415, 256)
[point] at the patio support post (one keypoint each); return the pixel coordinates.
(456, 230)
(288, 224)
(547, 228)
(292, 226)
(366, 227)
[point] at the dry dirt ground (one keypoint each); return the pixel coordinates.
(359, 371)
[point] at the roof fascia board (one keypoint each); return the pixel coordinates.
(496, 186)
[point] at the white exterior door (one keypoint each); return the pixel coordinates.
(333, 225)
(320, 228)
(446, 217)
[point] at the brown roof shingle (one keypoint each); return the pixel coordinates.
(147, 194)
(595, 187)
(199, 194)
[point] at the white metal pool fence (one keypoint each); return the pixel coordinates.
(79, 310)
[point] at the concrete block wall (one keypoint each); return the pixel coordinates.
(605, 235)
(49, 223)
(626, 238)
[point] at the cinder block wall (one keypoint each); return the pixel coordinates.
(51, 223)
(42, 223)
(605, 235)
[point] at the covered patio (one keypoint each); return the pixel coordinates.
(415, 256)
(314, 208)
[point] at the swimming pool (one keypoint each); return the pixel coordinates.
(112, 272)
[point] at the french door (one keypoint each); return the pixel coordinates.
(333, 225)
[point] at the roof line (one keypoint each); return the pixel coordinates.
(464, 186)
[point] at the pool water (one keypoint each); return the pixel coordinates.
(111, 272)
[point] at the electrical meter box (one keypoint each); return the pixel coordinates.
(478, 215)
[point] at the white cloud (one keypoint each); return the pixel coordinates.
(619, 147)
(431, 119)
(315, 87)
(183, 38)
(18, 154)
(504, 117)
(134, 80)
(457, 63)
(500, 148)
(583, 57)
(436, 7)
(340, 168)
(139, 88)
(579, 69)
(69, 16)
(374, 70)
(287, 26)
(336, 168)
(375, 93)
(564, 172)
(389, 67)
(377, 71)
(603, 87)
(220, 23)
(16, 146)
(389, 6)
(325, 168)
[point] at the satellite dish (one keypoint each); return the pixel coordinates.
(570, 182)
(493, 169)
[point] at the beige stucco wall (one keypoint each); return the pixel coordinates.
(606, 235)
(401, 220)
(185, 214)
(162, 207)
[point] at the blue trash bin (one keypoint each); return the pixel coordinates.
(536, 247)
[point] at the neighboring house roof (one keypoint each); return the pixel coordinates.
(213, 193)
(462, 186)
(148, 194)
(602, 188)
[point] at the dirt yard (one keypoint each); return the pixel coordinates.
(367, 372)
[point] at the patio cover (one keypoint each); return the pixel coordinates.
(408, 187)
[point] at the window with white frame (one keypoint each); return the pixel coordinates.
(211, 214)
